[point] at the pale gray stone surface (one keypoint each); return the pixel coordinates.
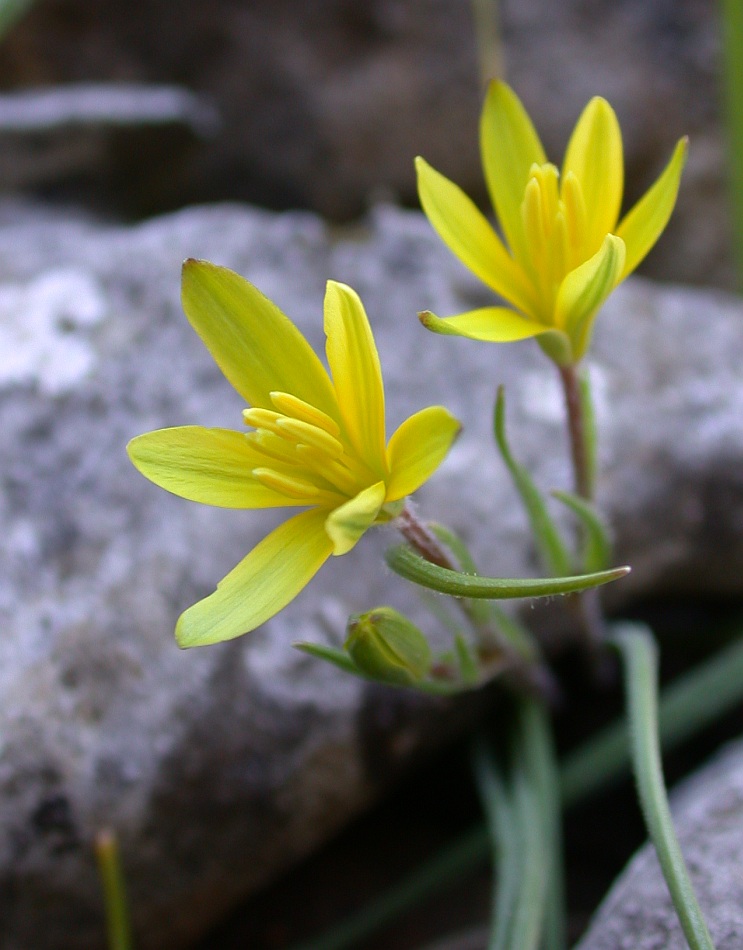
(638, 914)
(218, 767)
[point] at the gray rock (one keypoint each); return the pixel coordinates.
(637, 914)
(324, 104)
(219, 767)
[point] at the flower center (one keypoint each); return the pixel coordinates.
(554, 221)
(306, 457)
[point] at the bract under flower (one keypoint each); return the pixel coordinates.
(565, 248)
(317, 441)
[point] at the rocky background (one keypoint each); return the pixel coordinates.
(322, 105)
(221, 768)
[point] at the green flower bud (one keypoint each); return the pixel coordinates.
(387, 647)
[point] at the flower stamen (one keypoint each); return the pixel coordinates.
(288, 485)
(290, 405)
(303, 433)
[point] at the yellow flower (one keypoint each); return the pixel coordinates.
(565, 248)
(316, 442)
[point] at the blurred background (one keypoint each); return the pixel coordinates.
(323, 104)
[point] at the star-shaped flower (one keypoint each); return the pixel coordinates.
(317, 442)
(565, 247)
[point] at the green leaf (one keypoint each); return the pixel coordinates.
(468, 668)
(552, 550)
(118, 925)
(597, 541)
(479, 611)
(405, 562)
(640, 656)
(330, 654)
(486, 612)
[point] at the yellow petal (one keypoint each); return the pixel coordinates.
(493, 324)
(469, 235)
(211, 466)
(644, 223)
(357, 375)
(417, 448)
(595, 157)
(510, 146)
(256, 346)
(346, 524)
(261, 585)
(584, 290)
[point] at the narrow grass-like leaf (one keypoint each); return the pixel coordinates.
(330, 654)
(11, 11)
(688, 705)
(111, 874)
(522, 811)
(640, 655)
(596, 554)
(478, 610)
(732, 34)
(468, 668)
(484, 612)
(550, 545)
(530, 908)
(405, 562)
(506, 848)
(542, 758)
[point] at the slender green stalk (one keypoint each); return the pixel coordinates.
(488, 39)
(732, 30)
(590, 430)
(640, 655)
(579, 435)
(114, 892)
(688, 705)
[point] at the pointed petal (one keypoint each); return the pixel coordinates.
(493, 324)
(357, 375)
(346, 524)
(510, 146)
(468, 234)
(256, 346)
(211, 466)
(417, 448)
(584, 290)
(595, 157)
(261, 585)
(644, 223)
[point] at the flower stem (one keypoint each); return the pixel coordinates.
(578, 432)
(422, 539)
(112, 880)
(582, 451)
